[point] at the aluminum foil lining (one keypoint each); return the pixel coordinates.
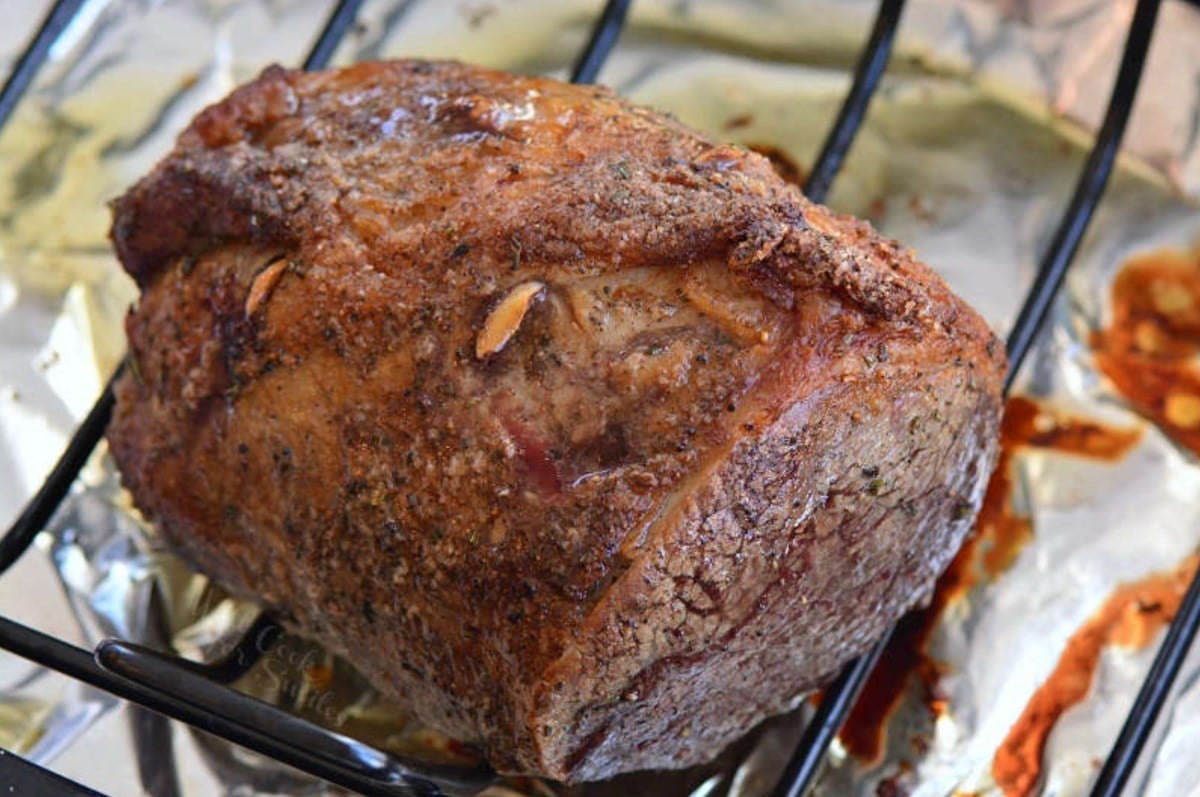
(968, 155)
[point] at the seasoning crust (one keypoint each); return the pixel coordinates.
(591, 440)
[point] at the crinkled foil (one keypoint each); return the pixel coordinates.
(968, 155)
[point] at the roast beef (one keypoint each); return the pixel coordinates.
(590, 440)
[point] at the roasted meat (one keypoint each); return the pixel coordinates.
(590, 440)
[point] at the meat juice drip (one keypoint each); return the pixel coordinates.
(1149, 350)
(1000, 534)
(1130, 618)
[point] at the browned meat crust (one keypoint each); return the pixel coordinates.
(589, 439)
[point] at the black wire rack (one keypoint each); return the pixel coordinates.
(199, 694)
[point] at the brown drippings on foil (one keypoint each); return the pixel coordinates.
(1028, 423)
(1000, 535)
(1149, 350)
(1130, 618)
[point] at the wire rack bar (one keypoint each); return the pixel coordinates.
(604, 37)
(836, 702)
(806, 761)
(870, 68)
(1088, 190)
(45, 501)
(38, 511)
(280, 734)
(154, 752)
(336, 28)
(35, 55)
(1123, 758)
(233, 716)
(26, 778)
